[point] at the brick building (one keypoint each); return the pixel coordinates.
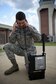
(47, 18)
(4, 33)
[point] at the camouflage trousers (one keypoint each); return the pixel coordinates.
(12, 49)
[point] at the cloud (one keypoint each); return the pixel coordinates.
(20, 4)
(8, 19)
(23, 4)
(33, 20)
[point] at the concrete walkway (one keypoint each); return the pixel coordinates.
(21, 77)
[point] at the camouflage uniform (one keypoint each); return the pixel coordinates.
(20, 41)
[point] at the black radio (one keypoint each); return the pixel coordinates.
(37, 64)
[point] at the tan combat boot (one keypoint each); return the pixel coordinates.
(11, 70)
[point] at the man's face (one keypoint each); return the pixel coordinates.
(21, 23)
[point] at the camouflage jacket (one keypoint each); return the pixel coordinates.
(24, 37)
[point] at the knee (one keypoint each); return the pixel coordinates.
(6, 46)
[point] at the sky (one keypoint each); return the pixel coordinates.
(9, 8)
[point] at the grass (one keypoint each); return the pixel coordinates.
(46, 44)
(1, 50)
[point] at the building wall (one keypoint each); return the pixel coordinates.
(50, 8)
(54, 25)
(44, 21)
(4, 33)
(47, 19)
(2, 37)
(50, 11)
(55, 22)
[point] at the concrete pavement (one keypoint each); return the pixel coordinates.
(21, 77)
